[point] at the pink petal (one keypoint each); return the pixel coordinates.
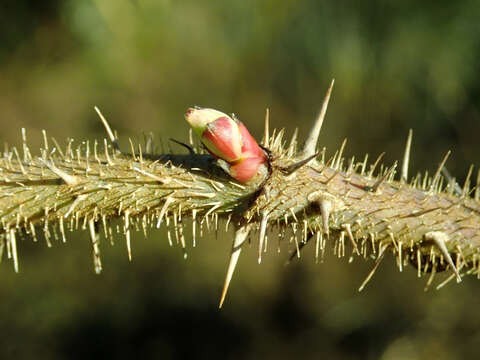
(246, 169)
(250, 148)
(223, 139)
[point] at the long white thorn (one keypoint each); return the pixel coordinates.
(128, 236)
(240, 237)
(440, 239)
(406, 157)
(263, 230)
(325, 209)
(381, 253)
(309, 148)
(13, 245)
(169, 200)
(95, 237)
(194, 227)
(348, 229)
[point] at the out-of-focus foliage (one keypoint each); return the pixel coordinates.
(397, 65)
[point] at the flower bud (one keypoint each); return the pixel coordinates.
(200, 118)
(250, 147)
(228, 139)
(223, 139)
(246, 169)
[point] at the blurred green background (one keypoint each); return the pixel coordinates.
(397, 65)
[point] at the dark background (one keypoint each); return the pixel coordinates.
(397, 65)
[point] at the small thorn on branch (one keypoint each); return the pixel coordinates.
(375, 164)
(95, 238)
(325, 209)
(75, 203)
(436, 177)
(348, 229)
(263, 230)
(457, 190)
(127, 235)
(13, 245)
(67, 178)
(290, 169)
(380, 181)
(466, 185)
(152, 176)
(113, 138)
(295, 253)
(338, 160)
(440, 239)
(406, 157)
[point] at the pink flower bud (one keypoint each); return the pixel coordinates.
(223, 139)
(250, 147)
(228, 139)
(246, 169)
(199, 118)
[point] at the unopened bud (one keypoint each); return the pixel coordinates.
(223, 139)
(228, 139)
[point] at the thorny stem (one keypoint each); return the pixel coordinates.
(357, 212)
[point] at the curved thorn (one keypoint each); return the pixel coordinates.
(169, 200)
(290, 169)
(186, 146)
(311, 142)
(374, 166)
(108, 129)
(348, 229)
